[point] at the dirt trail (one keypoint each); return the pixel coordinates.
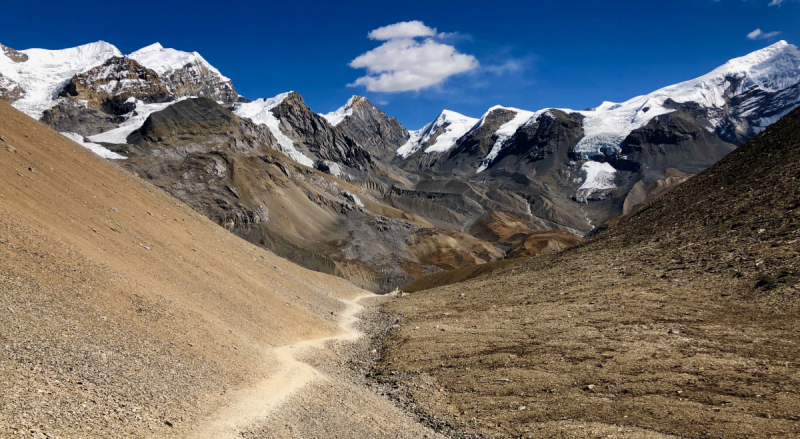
(255, 403)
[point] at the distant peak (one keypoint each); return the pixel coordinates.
(452, 116)
(151, 48)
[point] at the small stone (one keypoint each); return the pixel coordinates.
(2, 139)
(146, 248)
(114, 209)
(760, 231)
(590, 387)
(32, 170)
(11, 149)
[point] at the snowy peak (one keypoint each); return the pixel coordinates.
(147, 49)
(164, 60)
(773, 68)
(37, 75)
(438, 136)
(369, 126)
(186, 73)
(336, 117)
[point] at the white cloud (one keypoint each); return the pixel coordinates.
(404, 29)
(407, 63)
(775, 2)
(758, 34)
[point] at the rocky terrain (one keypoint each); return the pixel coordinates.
(680, 321)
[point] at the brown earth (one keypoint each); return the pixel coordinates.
(682, 321)
(518, 238)
(124, 313)
(450, 277)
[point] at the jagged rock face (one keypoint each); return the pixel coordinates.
(314, 136)
(117, 80)
(747, 114)
(10, 91)
(674, 140)
(196, 79)
(13, 54)
(371, 128)
(96, 100)
(554, 134)
(86, 120)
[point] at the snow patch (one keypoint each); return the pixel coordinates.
(336, 117)
(411, 146)
(352, 198)
(598, 176)
(95, 148)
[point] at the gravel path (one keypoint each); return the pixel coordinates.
(257, 402)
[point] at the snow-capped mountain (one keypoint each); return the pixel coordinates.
(40, 74)
(438, 136)
(186, 73)
(735, 101)
(93, 88)
(533, 164)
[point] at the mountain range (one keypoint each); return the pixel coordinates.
(356, 194)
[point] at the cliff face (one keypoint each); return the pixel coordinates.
(371, 128)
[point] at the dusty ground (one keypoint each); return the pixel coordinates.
(682, 321)
(345, 403)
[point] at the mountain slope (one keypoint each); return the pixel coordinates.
(125, 311)
(228, 168)
(681, 321)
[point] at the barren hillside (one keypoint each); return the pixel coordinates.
(682, 321)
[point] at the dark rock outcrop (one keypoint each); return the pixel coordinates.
(316, 138)
(118, 79)
(371, 128)
(476, 144)
(674, 140)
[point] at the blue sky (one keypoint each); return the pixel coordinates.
(526, 54)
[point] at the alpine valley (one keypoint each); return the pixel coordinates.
(356, 194)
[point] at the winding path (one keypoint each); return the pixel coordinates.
(259, 401)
